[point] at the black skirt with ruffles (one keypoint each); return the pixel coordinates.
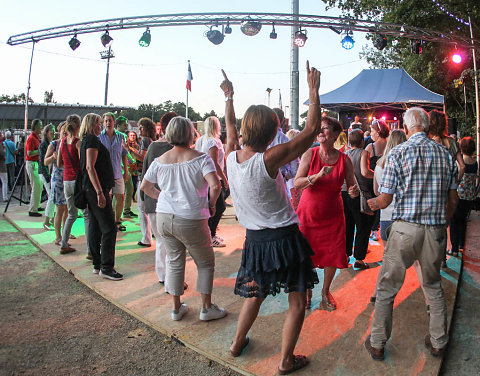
(273, 259)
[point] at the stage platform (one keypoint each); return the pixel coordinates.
(333, 341)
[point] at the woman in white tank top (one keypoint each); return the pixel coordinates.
(275, 254)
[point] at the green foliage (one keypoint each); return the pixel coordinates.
(433, 68)
(156, 112)
(16, 98)
(48, 96)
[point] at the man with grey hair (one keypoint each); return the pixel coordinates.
(423, 177)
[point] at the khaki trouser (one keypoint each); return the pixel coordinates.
(178, 235)
(35, 184)
(406, 243)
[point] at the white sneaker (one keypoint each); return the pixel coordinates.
(213, 313)
(177, 314)
(216, 242)
(96, 271)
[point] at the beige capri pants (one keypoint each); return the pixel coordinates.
(178, 235)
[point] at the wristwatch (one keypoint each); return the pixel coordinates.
(228, 98)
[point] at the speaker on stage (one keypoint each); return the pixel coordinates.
(452, 126)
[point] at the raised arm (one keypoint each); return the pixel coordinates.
(281, 154)
(232, 142)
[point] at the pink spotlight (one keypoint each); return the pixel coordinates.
(384, 118)
(457, 58)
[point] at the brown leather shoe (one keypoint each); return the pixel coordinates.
(434, 351)
(65, 250)
(377, 354)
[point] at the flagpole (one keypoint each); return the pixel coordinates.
(186, 107)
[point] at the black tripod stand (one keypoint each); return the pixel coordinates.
(20, 200)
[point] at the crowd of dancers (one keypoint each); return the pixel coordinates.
(308, 200)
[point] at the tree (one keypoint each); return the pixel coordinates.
(155, 112)
(208, 114)
(48, 96)
(433, 68)
(16, 98)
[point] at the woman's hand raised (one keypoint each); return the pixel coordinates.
(313, 78)
(226, 85)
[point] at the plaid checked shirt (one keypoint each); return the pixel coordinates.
(420, 172)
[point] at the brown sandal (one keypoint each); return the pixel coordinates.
(299, 361)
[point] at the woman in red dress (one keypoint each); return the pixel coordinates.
(320, 175)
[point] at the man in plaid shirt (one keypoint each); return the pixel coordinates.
(423, 176)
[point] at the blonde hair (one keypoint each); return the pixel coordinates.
(259, 126)
(210, 125)
(292, 133)
(180, 131)
(89, 120)
(341, 141)
(396, 138)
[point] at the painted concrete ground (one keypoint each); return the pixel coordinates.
(333, 341)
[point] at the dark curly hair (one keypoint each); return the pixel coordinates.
(438, 123)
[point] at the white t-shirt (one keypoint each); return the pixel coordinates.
(204, 144)
(183, 188)
(385, 214)
(260, 201)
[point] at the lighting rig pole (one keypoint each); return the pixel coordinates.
(294, 75)
(477, 103)
(108, 54)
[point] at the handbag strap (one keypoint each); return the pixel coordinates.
(71, 159)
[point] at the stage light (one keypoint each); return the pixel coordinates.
(145, 39)
(215, 36)
(457, 58)
(228, 29)
(380, 42)
(300, 38)
(347, 41)
(384, 118)
(74, 43)
(416, 46)
(273, 34)
(395, 118)
(106, 39)
(250, 27)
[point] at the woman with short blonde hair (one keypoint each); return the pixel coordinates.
(210, 144)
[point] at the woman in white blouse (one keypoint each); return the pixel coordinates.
(210, 144)
(184, 204)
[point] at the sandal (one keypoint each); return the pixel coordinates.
(360, 264)
(120, 227)
(58, 241)
(299, 361)
(236, 354)
(308, 305)
(72, 237)
(453, 253)
(328, 302)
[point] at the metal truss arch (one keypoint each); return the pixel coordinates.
(279, 19)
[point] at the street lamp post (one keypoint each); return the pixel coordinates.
(108, 54)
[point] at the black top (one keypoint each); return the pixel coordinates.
(155, 150)
(42, 150)
(103, 164)
(471, 168)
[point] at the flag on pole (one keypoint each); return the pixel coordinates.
(280, 100)
(189, 77)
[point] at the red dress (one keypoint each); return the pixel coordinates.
(321, 216)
